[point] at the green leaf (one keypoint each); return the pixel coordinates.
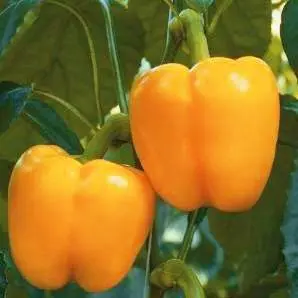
(51, 126)
(51, 50)
(252, 240)
(43, 118)
(3, 220)
(11, 17)
(282, 293)
(290, 221)
(19, 137)
(289, 33)
(243, 27)
(5, 172)
(154, 16)
(12, 103)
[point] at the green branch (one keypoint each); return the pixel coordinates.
(194, 219)
(188, 28)
(175, 273)
(175, 32)
(193, 23)
(116, 128)
(174, 41)
(121, 94)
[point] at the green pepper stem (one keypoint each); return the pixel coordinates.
(193, 23)
(175, 273)
(194, 219)
(116, 128)
(121, 94)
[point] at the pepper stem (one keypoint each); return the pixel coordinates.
(194, 219)
(116, 128)
(196, 41)
(175, 273)
(114, 57)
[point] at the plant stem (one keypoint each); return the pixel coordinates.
(121, 94)
(193, 23)
(175, 273)
(172, 7)
(116, 127)
(195, 219)
(175, 35)
(167, 49)
(83, 23)
(147, 267)
(171, 49)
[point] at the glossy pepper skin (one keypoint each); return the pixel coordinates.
(74, 222)
(207, 136)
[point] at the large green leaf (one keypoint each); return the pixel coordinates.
(290, 221)
(244, 28)
(252, 240)
(51, 50)
(154, 16)
(12, 15)
(5, 172)
(19, 137)
(289, 33)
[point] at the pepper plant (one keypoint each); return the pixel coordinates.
(148, 149)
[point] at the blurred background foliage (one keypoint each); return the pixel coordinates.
(243, 255)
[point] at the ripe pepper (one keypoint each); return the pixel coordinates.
(207, 136)
(69, 221)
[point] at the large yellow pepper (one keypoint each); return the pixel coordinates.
(207, 136)
(74, 222)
